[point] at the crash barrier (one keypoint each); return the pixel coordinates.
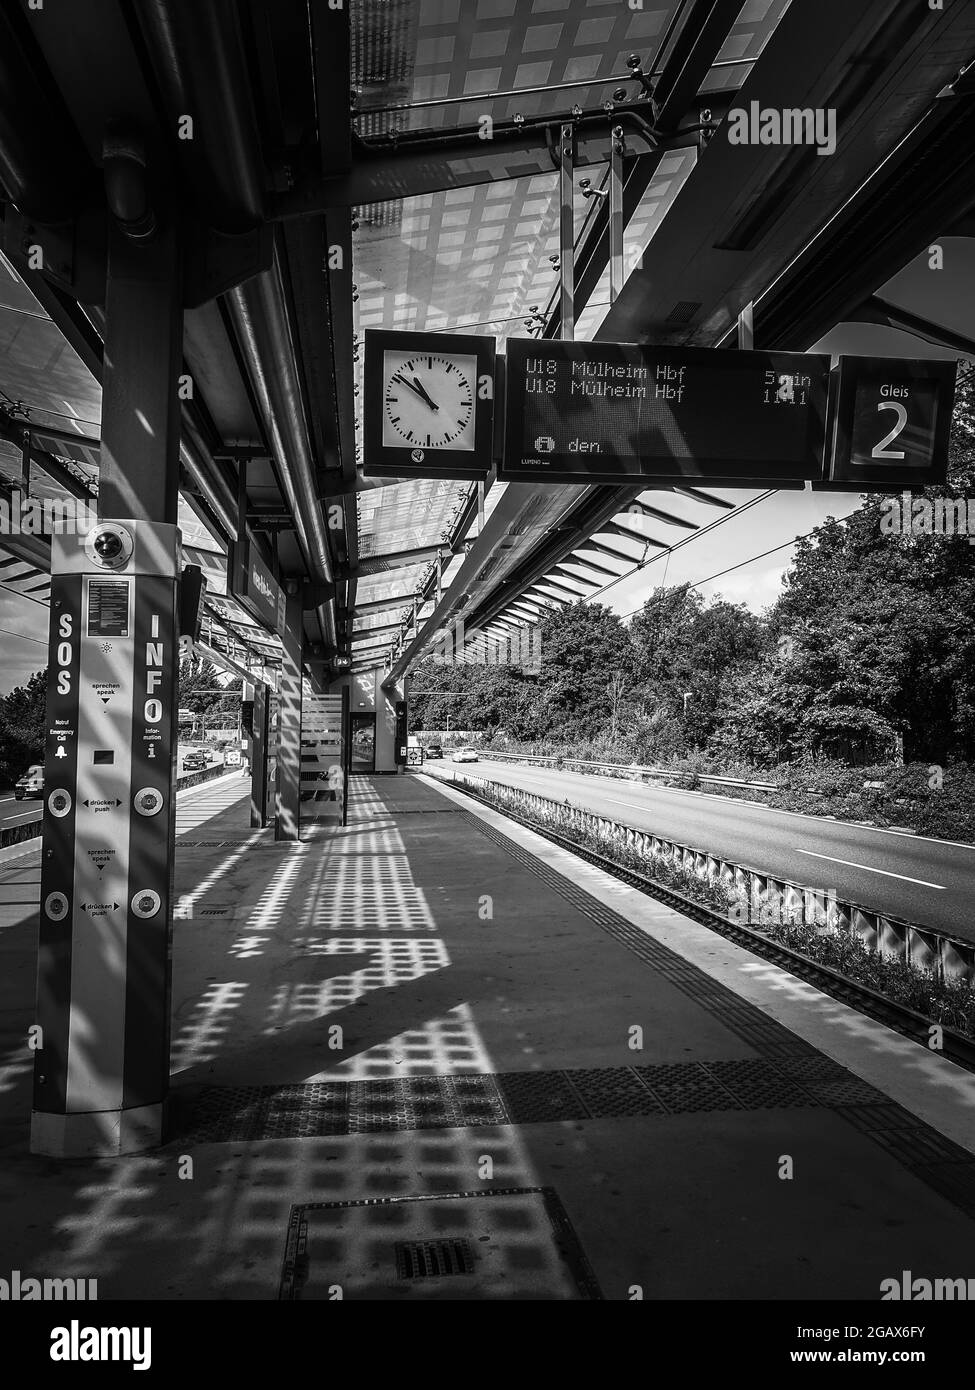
(30, 830)
(769, 899)
(631, 770)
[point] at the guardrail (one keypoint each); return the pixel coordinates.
(776, 899)
(628, 769)
(30, 830)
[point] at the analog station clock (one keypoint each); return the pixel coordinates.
(428, 405)
(428, 400)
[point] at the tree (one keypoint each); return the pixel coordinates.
(23, 724)
(584, 645)
(686, 646)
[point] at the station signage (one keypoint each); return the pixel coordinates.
(640, 414)
(889, 423)
(622, 412)
(260, 592)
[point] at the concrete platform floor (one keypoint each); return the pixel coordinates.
(435, 1026)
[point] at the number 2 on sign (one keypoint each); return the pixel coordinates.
(881, 451)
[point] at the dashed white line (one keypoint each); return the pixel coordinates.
(851, 864)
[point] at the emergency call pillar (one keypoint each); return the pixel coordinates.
(102, 1067)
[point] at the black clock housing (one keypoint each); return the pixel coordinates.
(414, 457)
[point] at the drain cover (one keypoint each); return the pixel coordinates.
(433, 1259)
(507, 1243)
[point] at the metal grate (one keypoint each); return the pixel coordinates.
(682, 313)
(433, 1259)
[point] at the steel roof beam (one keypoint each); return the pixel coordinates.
(706, 497)
(617, 530)
(656, 512)
(590, 564)
(562, 588)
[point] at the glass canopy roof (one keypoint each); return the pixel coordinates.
(479, 259)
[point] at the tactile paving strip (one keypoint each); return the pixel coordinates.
(953, 1181)
(532, 1097)
(609, 1094)
(232, 1114)
(758, 1086)
(687, 1090)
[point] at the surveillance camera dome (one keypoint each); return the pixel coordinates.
(108, 544)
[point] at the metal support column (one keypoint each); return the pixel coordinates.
(101, 1073)
(139, 471)
(287, 800)
(616, 214)
(259, 756)
(567, 231)
(746, 328)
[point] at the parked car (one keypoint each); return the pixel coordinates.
(31, 785)
(433, 750)
(464, 755)
(195, 761)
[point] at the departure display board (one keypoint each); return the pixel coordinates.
(619, 412)
(890, 421)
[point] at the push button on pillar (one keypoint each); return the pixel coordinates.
(146, 903)
(56, 906)
(148, 801)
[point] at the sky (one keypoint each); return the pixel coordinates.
(23, 639)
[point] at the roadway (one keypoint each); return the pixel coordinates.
(14, 812)
(930, 882)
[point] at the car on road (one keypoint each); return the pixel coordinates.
(433, 750)
(31, 785)
(464, 755)
(195, 761)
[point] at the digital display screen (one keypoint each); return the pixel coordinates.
(615, 413)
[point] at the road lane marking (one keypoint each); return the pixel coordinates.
(850, 863)
(871, 870)
(779, 811)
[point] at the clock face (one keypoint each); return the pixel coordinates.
(428, 400)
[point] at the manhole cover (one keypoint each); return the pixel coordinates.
(512, 1243)
(433, 1259)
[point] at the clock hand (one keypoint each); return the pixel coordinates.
(403, 382)
(421, 391)
(416, 388)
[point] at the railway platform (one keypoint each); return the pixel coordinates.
(433, 1056)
